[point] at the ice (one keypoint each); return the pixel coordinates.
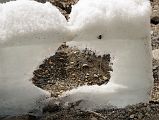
(125, 29)
(29, 32)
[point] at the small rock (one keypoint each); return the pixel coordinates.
(23, 117)
(50, 62)
(71, 62)
(85, 66)
(155, 20)
(87, 74)
(52, 108)
(75, 52)
(95, 75)
(73, 74)
(155, 54)
(132, 116)
(93, 118)
(99, 37)
(105, 78)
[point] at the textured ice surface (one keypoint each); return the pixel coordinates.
(125, 29)
(29, 32)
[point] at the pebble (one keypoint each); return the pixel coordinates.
(155, 20)
(73, 74)
(95, 75)
(105, 78)
(93, 118)
(50, 62)
(87, 74)
(71, 62)
(132, 116)
(155, 54)
(85, 65)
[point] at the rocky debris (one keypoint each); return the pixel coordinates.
(155, 20)
(155, 90)
(155, 38)
(41, 1)
(70, 68)
(22, 117)
(64, 6)
(155, 27)
(142, 111)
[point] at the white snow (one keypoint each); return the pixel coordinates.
(31, 31)
(125, 27)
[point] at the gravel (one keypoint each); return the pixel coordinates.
(70, 68)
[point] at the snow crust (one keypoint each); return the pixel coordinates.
(125, 29)
(31, 31)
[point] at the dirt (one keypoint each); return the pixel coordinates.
(141, 111)
(70, 68)
(155, 45)
(64, 6)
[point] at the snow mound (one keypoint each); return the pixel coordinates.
(114, 19)
(25, 17)
(29, 32)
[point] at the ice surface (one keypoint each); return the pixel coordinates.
(29, 32)
(125, 29)
(114, 19)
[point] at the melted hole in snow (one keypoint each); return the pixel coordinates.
(70, 68)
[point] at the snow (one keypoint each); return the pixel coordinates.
(125, 29)
(31, 31)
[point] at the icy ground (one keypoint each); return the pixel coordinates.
(30, 31)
